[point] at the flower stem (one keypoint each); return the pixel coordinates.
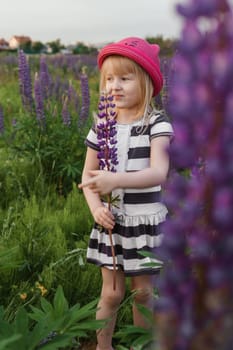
(112, 248)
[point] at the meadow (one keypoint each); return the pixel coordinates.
(46, 109)
(48, 292)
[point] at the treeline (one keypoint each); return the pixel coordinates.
(56, 46)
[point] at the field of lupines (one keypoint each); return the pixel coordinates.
(45, 112)
(46, 106)
(44, 220)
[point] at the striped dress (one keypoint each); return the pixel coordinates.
(139, 212)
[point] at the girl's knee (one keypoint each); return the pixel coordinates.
(142, 295)
(111, 297)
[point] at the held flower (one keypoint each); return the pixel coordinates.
(106, 134)
(107, 154)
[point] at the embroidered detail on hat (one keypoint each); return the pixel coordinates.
(132, 43)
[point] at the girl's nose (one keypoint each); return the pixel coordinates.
(116, 84)
(112, 85)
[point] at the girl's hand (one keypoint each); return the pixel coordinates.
(104, 217)
(101, 181)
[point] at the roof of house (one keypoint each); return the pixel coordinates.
(21, 39)
(3, 42)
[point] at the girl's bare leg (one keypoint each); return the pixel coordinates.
(143, 288)
(108, 305)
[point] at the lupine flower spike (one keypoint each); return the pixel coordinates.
(25, 81)
(107, 155)
(39, 102)
(65, 112)
(195, 308)
(85, 98)
(1, 121)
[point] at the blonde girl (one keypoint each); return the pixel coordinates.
(130, 72)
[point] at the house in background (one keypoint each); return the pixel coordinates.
(16, 41)
(4, 45)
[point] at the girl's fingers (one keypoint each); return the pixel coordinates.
(107, 221)
(85, 183)
(104, 217)
(108, 214)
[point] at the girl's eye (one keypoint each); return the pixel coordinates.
(109, 79)
(127, 77)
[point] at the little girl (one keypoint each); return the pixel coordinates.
(130, 72)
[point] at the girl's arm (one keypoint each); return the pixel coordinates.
(156, 174)
(104, 182)
(91, 163)
(100, 213)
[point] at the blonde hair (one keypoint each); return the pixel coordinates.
(123, 65)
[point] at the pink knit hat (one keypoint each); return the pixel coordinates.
(141, 52)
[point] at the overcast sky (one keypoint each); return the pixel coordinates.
(88, 21)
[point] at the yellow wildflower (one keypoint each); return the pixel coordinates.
(23, 296)
(42, 289)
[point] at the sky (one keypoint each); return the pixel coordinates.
(88, 21)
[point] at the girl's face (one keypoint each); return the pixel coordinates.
(123, 83)
(125, 90)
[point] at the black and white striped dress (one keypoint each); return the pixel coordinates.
(140, 212)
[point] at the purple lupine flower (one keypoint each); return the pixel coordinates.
(14, 122)
(84, 112)
(73, 98)
(158, 101)
(1, 121)
(196, 285)
(39, 102)
(45, 78)
(65, 113)
(166, 68)
(10, 60)
(107, 154)
(106, 133)
(161, 99)
(56, 88)
(25, 83)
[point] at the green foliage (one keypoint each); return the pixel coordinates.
(81, 48)
(152, 257)
(9, 96)
(44, 219)
(51, 136)
(64, 323)
(57, 150)
(19, 179)
(51, 236)
(137, 337)
(8, 258)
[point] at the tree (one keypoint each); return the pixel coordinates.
(167, 46)
(37, 46)
(56, 45)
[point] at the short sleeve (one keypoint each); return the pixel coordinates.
(91, 139)
(160, 126)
